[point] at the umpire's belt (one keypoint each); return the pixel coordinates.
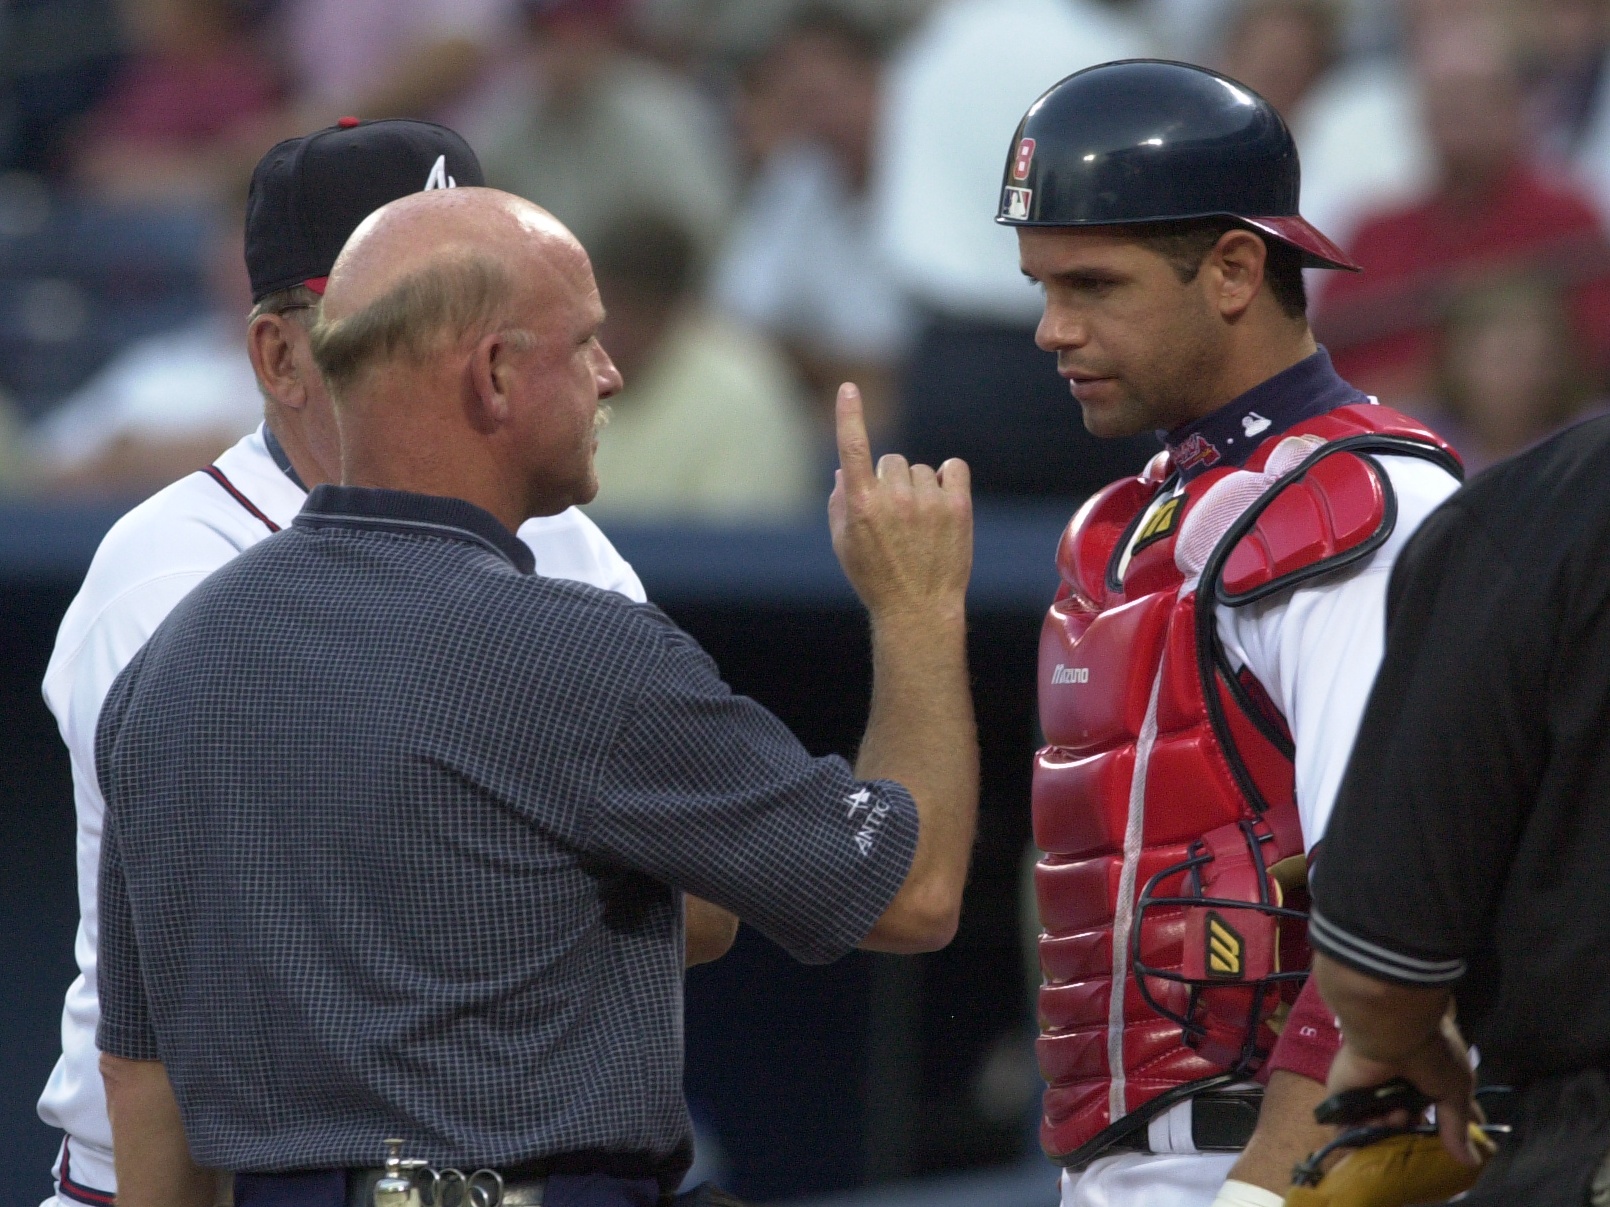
(1215, 1121)
(355, 1188)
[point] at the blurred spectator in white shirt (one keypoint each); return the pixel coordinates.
(601, 133)
(710, 425)
(955, 94)
(165, 405)
(802, 262)
(975, 386)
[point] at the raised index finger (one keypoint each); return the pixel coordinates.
(855, 450)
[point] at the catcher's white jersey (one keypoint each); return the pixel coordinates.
(150, 560)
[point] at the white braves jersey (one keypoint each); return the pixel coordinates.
(150, 560)
(1315, 650)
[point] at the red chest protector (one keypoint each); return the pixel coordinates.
(1164, 796)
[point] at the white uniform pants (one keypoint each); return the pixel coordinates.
(1144, 1180)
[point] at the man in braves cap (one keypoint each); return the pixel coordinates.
(307, 196)
(1218, 628)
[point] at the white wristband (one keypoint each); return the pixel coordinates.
(1245, 1194)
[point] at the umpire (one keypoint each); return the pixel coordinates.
(1469, 854)
(397, 830)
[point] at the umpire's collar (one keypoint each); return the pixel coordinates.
(1228, 436)
(403, 511)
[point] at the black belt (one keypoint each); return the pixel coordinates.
(520, 1188)
(1222, 1121)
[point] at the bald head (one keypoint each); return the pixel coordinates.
(459, 339)
(439, 270)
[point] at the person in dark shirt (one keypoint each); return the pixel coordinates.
(1468, 857)
(397, 831)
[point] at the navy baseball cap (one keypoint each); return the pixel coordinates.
(309, 194)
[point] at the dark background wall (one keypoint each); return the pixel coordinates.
(814, 1079)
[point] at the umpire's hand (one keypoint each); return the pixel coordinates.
(904, 534)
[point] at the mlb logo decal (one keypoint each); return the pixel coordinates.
(1025, 159)
(1017, 203)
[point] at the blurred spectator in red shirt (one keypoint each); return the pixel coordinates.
(803, 262)
(1509, 371)
(195, 82)
(1490, 214)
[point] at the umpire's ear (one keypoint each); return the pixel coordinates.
(493, 376)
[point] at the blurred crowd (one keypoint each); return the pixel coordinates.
(779, 195)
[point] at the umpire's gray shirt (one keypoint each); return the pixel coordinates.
(394, 833)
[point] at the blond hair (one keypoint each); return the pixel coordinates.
(445, 303)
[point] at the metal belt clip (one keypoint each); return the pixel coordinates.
(396, 1186)
(410, 1182)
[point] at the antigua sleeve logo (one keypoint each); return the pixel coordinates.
(1161, 523)
(871, 821)
(1224, 949)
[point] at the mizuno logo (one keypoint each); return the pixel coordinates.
(438, 178)
(1159, 524)
(1224, 949)
(1070, 674)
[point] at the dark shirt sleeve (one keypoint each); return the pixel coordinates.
(708, 791)
(1446, 763)
(125, 1027)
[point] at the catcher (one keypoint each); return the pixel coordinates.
(1214, 639)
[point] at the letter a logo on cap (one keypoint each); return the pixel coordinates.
(438, 178)
(1025, 158)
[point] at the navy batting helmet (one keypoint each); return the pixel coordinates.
(1145, 140)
